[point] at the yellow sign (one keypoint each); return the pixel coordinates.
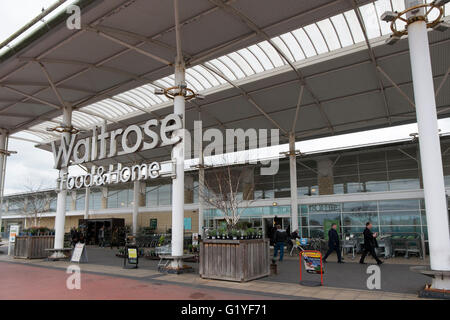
(310, 254)
(132, 253)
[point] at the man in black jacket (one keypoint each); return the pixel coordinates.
(333, 244)
(279, 239)
(370, 243)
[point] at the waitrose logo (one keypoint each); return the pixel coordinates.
(73, 151)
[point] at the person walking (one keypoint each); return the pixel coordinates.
(370, 243)
(333, 244)
(101, 236)
(279, 239)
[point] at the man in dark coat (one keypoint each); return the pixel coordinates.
(279, 239)
(333, 244)
(370, 243)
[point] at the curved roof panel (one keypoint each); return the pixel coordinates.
(298, 46)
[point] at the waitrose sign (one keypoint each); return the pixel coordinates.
(73, 151)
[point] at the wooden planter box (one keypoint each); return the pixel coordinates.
(234, 260)
(33, 247)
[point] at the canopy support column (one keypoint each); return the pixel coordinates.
(430, 153)
(293, 179)
(62, 191)
(201, 190)
(3, 155)
(86, 202)
(136, 203)
(178, 156)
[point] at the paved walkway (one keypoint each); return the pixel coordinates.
(31, 283)
(104, 273)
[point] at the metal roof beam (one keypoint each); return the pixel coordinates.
(235, 12)
(372, 57)
(133, 105)
(396, 86)
(95, 114)
(248, 97)
(130, 46)
(443, 82)
(52, 84)
(42, 85)
(97, 65)
(24, 139)
(297, 110)
(50, 104)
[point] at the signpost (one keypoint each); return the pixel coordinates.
(13, 232)
(79, 253)
(313, 265)
(131, 257)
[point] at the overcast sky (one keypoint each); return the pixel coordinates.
(31, 166)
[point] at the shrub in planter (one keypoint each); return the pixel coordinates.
(213, 234)
(234, 234)
(251, 233)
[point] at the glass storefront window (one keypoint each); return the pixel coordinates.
(79, 203)
(359, 219)
(401, 230)
(374, 182)
(400, 218)
(95, 200)
(409, 204)
(52, 204)
(15, 205)
(359, 206)
(164, 195)
(404, 180)
(318, 219)
(315, 232)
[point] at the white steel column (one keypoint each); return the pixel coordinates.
(136, 191)
(201, 190)
(178, 155)
(62, 192)
(4, 147)
(293, 177)
(86, 202)
(430, 151)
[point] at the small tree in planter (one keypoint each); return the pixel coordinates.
(222, 191)
(36, 204)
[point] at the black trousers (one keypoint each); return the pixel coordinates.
(372, 253)
(330, 250)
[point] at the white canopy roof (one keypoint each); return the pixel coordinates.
(241, 55)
